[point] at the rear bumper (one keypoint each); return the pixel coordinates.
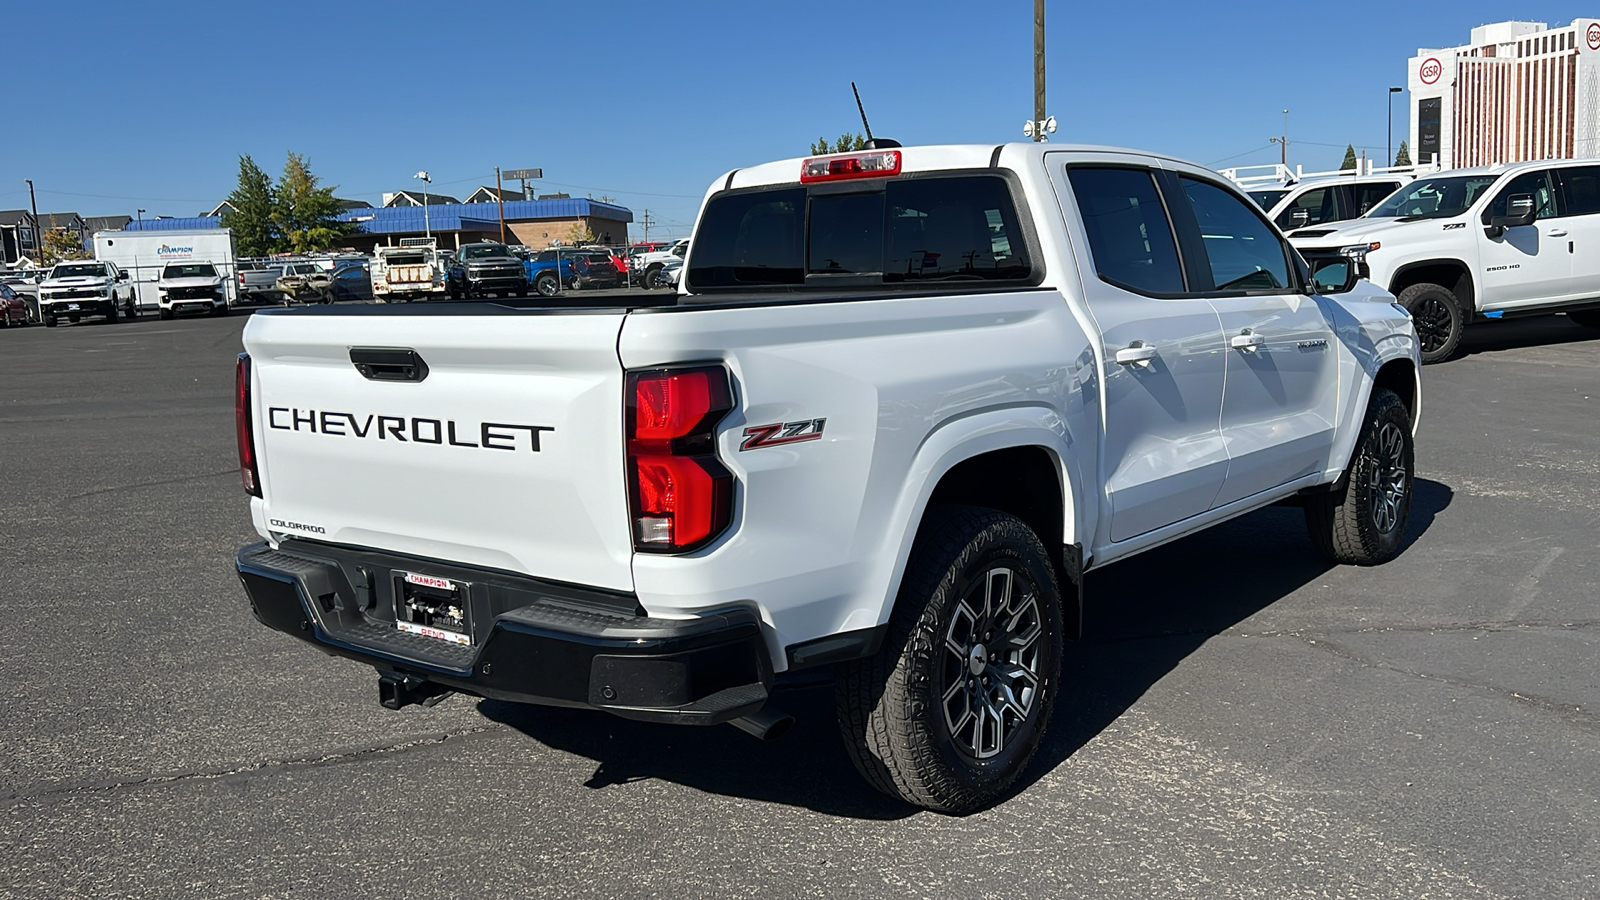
(533, 641)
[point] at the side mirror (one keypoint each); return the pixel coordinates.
(1519, 212)
(122, 276)
(1299, 218)
(1337, 276)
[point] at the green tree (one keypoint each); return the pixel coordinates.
(306, 215)
(1403, 158)
(1349, 158)
(254, 233)
(580, 234)
(846, 143)
(60, 244)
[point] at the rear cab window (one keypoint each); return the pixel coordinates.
(945, 228)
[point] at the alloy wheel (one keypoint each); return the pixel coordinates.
(991, 663)
(1387, 481)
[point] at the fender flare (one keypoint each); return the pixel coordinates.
(965, 437)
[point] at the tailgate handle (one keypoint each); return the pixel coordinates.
(389, 363)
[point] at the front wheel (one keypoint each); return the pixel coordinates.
(653, 279)
(1588, 318)
(947, 714)
(1363, 519)
(546, 285)
(1436, 313)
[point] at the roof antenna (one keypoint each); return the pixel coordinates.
(872, 143)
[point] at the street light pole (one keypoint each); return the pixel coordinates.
(140, 214)
(1390, 148)
(427, 227)
(38, 237)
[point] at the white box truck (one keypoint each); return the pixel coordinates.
(144, 253)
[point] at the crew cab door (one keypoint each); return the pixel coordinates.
(1161, 344)
(1280, 396)
(1580, 196)
(1528, 264)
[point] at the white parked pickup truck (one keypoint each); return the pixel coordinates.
(903, 399)
(1475, 245)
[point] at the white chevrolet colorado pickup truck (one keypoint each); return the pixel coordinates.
(1474, 245)
(903, 400)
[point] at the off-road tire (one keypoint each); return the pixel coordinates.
(893, 706)
(1588, 318)
(1437, 315)
(1362, 520)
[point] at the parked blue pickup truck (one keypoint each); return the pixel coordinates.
(543, 274)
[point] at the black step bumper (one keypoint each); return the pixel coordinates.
(533, 641)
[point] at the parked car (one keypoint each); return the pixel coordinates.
(1479, 245)
(886, 430)
(350, 282)
(648, 265)
(87, 287)
(408, 273)
(542, 270)
(487, 268)
(13, 309)
(303, 282)
(619, 259)
(194, 287)
(259, 282)
(601, 270)
(26, 283)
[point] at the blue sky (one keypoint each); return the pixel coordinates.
(150, 104)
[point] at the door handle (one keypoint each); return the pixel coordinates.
(1136, 353)
(1247, 341)
(1557, 232)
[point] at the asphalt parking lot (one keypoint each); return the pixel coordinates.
(1242, 720)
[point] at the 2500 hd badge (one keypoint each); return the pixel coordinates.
(491, 435)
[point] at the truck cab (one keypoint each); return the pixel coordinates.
(1481, 244)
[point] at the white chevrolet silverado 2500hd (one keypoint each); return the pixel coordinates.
(904, 400)
(1475, 245)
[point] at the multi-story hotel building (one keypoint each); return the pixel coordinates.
(1518, 91)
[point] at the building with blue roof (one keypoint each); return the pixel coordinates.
(536, 223)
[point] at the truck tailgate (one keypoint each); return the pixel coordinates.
(508, 453)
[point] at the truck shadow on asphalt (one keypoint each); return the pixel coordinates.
(1142, 621)
(1516, 334)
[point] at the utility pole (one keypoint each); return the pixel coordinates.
(38, 239)
(1038, 67)
(500, 201)
(646, 221)
(1283, 141)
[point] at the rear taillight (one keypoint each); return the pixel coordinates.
(680, 494)
(244, 431)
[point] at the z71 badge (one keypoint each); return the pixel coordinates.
(779, 433)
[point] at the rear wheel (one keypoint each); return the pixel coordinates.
(1588, 318)
(1438, 319)
(950, 710)
(1362, 521)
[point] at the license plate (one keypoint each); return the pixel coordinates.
(433, 607)
(72, 306)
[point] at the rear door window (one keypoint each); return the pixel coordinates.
(751, 239)
(1130, 236)
(1370, 195)
(1582, 189)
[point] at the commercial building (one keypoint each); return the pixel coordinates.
(536, 223)
(1517, 91)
